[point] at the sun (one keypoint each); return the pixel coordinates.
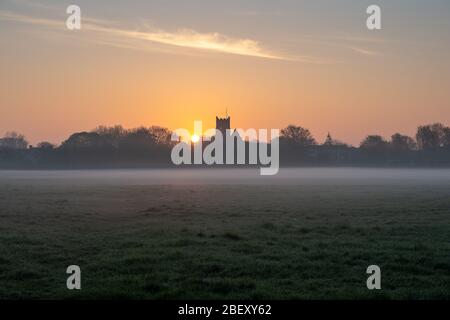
(195, 138)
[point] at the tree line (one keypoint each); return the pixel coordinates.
(428, 137)
(429, 147)
(143, 147)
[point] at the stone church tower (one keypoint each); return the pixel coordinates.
(223, 124)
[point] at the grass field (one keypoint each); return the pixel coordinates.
(187, 241)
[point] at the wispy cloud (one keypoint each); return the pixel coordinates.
(354, 43)
(186, 38)
(259, 13)
(365, 51)
(361, 39)
(10, 16)
(208, 41)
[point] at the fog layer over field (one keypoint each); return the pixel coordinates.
(181, 176)
(225, 234)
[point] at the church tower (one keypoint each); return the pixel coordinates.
(223, 124)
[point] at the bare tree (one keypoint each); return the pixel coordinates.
(330, 142)
(161, 135)
(13, 140)
(298, 135)
(430, 136)
(115, 131)
(374, 142)
(46, 145)
(446, 137)
(401, 142)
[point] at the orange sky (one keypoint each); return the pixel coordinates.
(345, 80)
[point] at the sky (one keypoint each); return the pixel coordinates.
(269, 63)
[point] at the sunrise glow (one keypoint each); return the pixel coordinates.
(195, 138)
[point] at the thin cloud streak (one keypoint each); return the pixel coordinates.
(208, 41)
(344, 44)
(9, 16)
(365, 51)
(182, 38)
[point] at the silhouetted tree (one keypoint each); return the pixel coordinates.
(430, 136)
(446, 137)
(115, 131)
(111, 135)
(13, 140)
(330, 142)
(161, 135)
(46, 145)
(374, 142)
(142, 147)
(297, 135)
(139, 138)
(401, 142)
(82, 140)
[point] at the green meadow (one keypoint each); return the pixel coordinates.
(223, 241)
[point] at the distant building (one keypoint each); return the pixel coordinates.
(329, 140)
(223, 124)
